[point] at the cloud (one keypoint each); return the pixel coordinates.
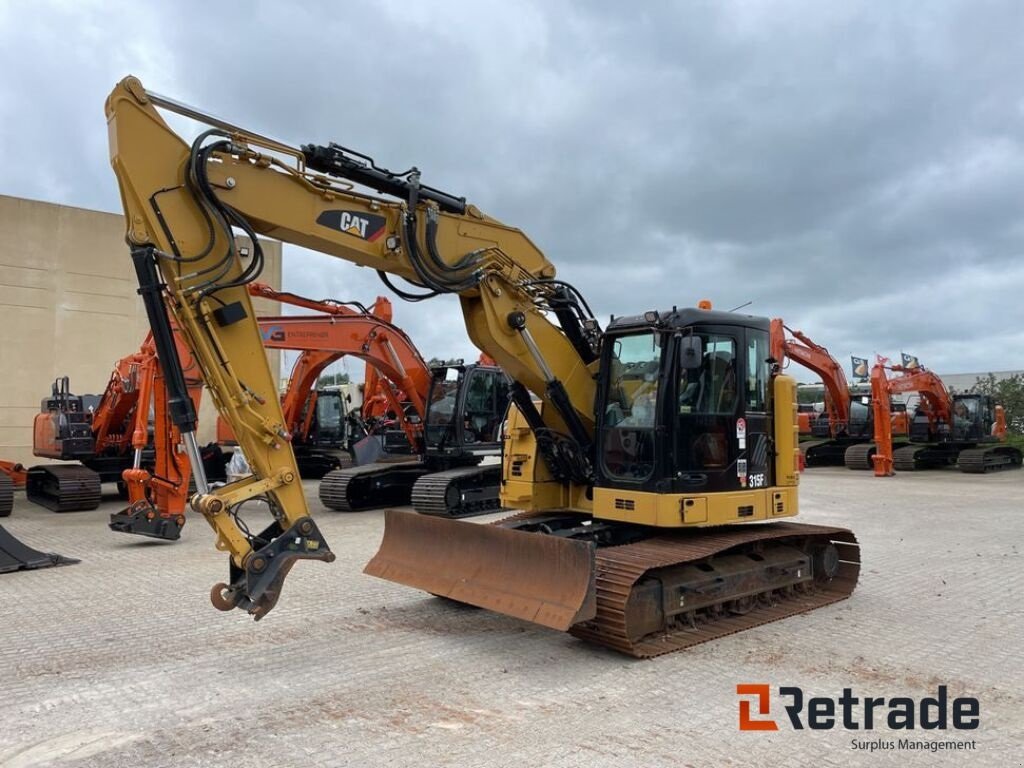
(855, 168)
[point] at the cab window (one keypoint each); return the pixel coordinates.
(707, 400)
(756, 390)
(630, 408)
(711, 388)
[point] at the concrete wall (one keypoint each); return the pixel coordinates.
(68, 306)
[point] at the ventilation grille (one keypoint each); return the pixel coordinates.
(780, 507)
(747, 511)
(517, 467)
(625, 504)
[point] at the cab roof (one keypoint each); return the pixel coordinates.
(687, 316)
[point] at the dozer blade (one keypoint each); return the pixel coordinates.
(15, 555)
(548, 580)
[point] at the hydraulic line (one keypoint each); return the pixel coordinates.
(405, 294)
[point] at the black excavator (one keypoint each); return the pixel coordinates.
(461, 427)
(970, 439)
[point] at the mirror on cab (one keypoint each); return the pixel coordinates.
(690, 352)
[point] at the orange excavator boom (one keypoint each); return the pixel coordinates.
(815, 358)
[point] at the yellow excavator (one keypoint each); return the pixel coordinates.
(639, 454)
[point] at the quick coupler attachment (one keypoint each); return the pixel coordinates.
(256, 588)
(143, 519)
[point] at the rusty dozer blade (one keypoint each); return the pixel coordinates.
(547, 580)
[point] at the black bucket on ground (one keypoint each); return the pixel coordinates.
(15, 555)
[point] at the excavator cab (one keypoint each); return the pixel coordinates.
(705, 376)
(328, 423)
(973, 417)
(465, 408)
(694, 428)
(326, 434)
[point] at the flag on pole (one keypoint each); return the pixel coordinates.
(910, 362)
(860, 368)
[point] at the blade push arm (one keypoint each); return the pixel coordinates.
(181, 202)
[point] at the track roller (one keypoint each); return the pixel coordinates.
(989, 459)
(859, 456)
(461, 492)
(63, 487)
(370, 486)
(6, 496)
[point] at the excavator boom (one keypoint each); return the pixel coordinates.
(815, 358)
(180, 208)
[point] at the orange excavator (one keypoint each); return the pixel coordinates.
(108, 436)
(845, 420)
(322, 436)
(158, 489)
(323, 339)
(341, 329)
(450, 412)
(967, 430)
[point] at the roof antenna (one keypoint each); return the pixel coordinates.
(741, 306)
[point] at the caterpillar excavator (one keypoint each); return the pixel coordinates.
(654, 461)
(967, 430)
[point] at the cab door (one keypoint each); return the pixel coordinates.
(754, 425)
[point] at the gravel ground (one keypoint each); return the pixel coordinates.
(121, 661)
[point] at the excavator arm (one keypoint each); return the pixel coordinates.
(815, 358)
(345, 328)
(934, 396)
(156, 500)
(880, 404)
(181, 204)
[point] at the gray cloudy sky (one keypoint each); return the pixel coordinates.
(857, 168)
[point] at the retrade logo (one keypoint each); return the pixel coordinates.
(763, 695)
(853, 713)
